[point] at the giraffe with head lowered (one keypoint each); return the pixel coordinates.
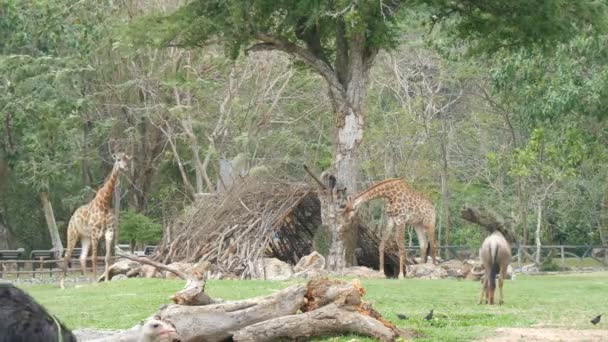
(96, 219)
(404, 206)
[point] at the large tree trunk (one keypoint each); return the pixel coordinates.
(5, 237)
(349, 132)
(51, 224)
(445, 192)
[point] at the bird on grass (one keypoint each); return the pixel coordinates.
(596, 320)
(401, 316)
(429, 316)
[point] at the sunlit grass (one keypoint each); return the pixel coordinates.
(556, 300)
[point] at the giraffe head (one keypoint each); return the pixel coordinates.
(348, 208)
(121, 161)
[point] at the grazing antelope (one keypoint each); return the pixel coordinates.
(495, 255)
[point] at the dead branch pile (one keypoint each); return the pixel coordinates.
(328, 307)
(259, 217)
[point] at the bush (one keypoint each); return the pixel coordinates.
(548, 265)
(137, 227)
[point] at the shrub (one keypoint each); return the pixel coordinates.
(138, 227)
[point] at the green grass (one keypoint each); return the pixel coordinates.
(555, 300)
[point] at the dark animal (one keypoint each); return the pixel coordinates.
(596, 320)
(22, 319)
(429, 316)
(495, 255)
(401, 316)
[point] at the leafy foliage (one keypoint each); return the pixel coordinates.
(140, 228)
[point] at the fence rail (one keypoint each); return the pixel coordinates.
(521, 254)
(526, 253)
(43, 266)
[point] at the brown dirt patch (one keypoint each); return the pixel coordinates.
(547, 334)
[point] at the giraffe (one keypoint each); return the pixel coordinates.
(94, 219)
(405, 206)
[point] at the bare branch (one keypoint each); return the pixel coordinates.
(269, 42)
(147, 261)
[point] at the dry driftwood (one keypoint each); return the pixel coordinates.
(329, 306)
(490, 220)
(217, 322)
(328, 320)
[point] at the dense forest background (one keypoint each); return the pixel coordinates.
(519, 130)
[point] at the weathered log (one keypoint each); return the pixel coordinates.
(490, 220)
(217, 322)
(329, 320)
(323, 291)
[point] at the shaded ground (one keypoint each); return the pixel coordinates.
(92, 334)
(547, 334)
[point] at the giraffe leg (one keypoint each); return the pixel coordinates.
(72, 239)
(85, 243)
(381, 255)
(94, 243)
(109, 236)
(385, 235)
(430, 230)
(401, 244)
(423, 243)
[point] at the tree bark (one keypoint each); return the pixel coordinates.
(222, 320)
(539, 209)
(347, 81)
(5, 238)
(490, 220)
(328, 320)
(51, 224)
(445, 192)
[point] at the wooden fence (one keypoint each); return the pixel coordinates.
(42, 267)
(523, 254)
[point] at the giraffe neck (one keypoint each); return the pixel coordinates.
(104, 196)
(379, 190)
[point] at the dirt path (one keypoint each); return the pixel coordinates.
(547, 334)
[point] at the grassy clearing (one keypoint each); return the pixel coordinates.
(558, 300)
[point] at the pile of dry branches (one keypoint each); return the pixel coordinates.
(258, 217)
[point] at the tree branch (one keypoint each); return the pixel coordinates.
(147, 261)
(268, 42)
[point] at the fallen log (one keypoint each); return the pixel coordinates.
(328, 320)
(217, 322)
(490, 220)
(328, 306)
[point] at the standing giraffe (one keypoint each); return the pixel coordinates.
(405, 206)
(94, 219)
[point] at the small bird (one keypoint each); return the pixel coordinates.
(401, 316)
(596, 320)
(429, 316)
